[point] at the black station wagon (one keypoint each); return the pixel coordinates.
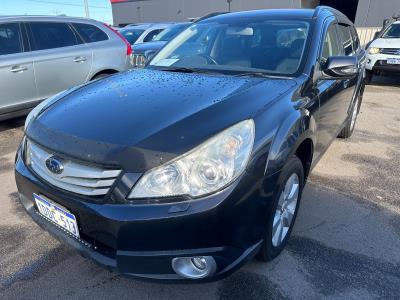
(188, 168)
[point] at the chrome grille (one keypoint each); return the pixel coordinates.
(390, 51)
(139, 60)
(75, 177)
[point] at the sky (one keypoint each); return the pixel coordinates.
(98, 9)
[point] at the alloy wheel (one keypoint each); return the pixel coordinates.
(354, 114)
(285, 210)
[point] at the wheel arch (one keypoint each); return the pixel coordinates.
(104, 71)
(305, 152)
(296, 137)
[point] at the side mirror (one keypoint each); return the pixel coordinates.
(376, 35)
(340, 67)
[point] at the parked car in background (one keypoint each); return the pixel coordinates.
(196, 163)
(41, 56)
(383, 53)
(143, 33)
(143, 50)
(132, 33)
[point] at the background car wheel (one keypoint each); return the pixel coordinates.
(283, 210)
(347, 131)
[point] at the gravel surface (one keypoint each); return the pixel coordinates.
(345, 244)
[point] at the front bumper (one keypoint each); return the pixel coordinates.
(141, 240)
(377, 63)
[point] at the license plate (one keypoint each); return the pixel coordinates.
(57, 214)
(393, 61)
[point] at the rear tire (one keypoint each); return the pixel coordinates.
(347, 131)
(101, 76)
(274, 243)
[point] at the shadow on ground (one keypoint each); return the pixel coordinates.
(386, 80)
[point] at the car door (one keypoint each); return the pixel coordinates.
(360, 53)
(332, 94)
(17, 82)
(348, 49)
(62, 60)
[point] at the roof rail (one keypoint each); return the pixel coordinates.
(332, 10)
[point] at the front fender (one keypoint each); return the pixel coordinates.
(297, 127)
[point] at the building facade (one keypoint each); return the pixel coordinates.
(365, 13)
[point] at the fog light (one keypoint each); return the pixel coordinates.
(194, 267)
(199, 262)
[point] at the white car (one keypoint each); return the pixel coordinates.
(383, 54)
(142, 33)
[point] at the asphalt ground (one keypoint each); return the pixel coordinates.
(345, 245)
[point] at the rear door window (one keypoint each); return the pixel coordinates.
(10, 39)
(90, 33)
(346, 38)
(50, 35)
(356, 40)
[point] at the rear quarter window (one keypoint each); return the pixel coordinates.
(152, 34)
(90, 33)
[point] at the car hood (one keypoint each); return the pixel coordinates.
(143, 118)
(386, 43)
(142, 48)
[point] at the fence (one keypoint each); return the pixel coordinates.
(366, 34)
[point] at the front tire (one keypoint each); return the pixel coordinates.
(284, 208)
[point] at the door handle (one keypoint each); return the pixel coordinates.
(79, 59)
(18, 69)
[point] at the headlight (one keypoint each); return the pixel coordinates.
(373, 50)
(36, 111)
(209, 167)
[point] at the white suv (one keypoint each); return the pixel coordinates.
(384, 52)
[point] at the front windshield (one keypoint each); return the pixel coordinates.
(131, 35)
(393, 31)
(169, 33)
(274, 47)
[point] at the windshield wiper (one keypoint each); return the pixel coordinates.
(178, 69)
(256, 74)
(186, 70)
